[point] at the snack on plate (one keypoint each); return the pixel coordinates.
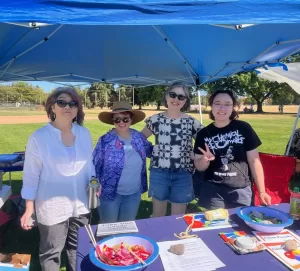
(177, 249)
(120, 255)
(264, 219)
(245, 242)
(241, 243)
(291, 245)
(216, 214)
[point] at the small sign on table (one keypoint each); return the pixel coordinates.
(116, 228)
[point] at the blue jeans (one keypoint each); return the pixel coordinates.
(176, 186)
(122, 208)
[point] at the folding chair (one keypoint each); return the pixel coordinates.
(278, 171)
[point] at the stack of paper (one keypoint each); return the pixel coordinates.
(116, 228)
(197, 256)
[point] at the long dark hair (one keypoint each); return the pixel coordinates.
(75, 97)
(234, 115)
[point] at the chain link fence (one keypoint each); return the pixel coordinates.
(23, 105)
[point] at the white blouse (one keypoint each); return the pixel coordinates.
(58, 187)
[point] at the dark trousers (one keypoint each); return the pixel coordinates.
(214, 196)
(54, 238)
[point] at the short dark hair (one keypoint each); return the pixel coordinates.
(185, 88)
(75, 97)
(234, 115)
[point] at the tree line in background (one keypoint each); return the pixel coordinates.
(248, 86)
(22, 92)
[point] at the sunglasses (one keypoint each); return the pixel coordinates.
(63, 104)
(180, 97)
(118, 120)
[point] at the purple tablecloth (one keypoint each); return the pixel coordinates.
(163, 229)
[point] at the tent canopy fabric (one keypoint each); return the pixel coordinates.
(140, 55)
(142, 42)
(290, 74)
(150, 12)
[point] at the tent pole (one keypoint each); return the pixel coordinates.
(34, 46)
(132, 96)
(294, 128)
(200, 106)
(160, 30)
(106, 100)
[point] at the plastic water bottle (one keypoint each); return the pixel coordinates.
(295, 204)
(94, 186)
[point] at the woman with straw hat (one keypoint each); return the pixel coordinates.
(120, 162)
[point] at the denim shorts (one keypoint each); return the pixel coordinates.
(175, 185)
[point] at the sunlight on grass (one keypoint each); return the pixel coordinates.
(273, 130)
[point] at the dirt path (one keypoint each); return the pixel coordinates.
(44, 118)
(93, 115)
(31, 119)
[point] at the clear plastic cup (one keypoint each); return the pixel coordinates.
(295, 203)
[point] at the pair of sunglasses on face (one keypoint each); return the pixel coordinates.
(63, 104)
(118, 120)
(180, 97)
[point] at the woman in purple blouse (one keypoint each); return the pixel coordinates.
(120, 163)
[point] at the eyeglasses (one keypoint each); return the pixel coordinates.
(225, 106)
(180, 97)
(118, 120)
(63, 104)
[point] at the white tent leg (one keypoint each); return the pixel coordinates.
(200, 106)
(294, 128)
(132, 97)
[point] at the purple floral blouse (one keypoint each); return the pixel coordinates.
(109, 159)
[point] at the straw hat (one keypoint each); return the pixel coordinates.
(119, 107)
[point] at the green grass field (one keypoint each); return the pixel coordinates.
(273, 130)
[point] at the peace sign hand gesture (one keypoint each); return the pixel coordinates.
(207, 155)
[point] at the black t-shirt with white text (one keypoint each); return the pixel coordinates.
(229, 145)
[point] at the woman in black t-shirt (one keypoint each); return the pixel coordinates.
(227, 151)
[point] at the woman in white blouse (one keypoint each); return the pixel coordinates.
(58, 167)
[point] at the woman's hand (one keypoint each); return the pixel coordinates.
(26, 219)
(265, 198)
(99, 190)
(207, 155)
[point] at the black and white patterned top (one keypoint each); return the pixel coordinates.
(173, 141)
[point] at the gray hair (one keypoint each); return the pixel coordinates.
(186, 91)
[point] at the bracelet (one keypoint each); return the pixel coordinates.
(262, 192)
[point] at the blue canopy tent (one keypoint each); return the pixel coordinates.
(143, 42)
(140, 55)
(150, 12)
